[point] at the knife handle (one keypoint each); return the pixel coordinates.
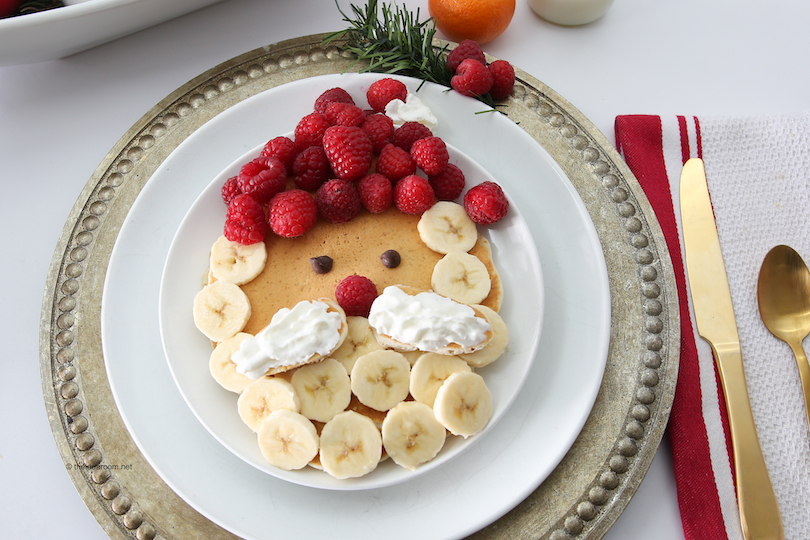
(759, 511)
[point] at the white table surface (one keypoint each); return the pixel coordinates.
(58, 120)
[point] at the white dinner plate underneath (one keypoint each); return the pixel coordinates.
(451, 501)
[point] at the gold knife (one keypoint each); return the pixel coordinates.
(714, 313)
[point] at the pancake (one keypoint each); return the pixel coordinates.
(355, 248)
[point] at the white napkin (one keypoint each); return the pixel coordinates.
(758, 171)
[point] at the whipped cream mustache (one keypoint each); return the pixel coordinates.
(427, 320)
(291, 338)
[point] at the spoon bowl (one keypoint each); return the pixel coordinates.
(783, 293)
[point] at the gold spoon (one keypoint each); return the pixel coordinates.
(784, 305)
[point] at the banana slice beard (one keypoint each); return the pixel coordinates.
(359, 340)
(236, 263)
(221, 310)
(496, 346)
(429, 372)
(288, 440)
(351, 445)
(222, 367)
(264, 396)
(462, 277)
(463, 404)
(446, 227)
(323, 389)
(411, 434)
(380, 379)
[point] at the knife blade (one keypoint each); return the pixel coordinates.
(714, 315)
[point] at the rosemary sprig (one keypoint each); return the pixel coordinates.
(393, 40)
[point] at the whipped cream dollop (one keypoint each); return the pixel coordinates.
(410, 110)
(292, 337)
(426, 320)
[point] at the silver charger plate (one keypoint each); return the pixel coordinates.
(582, 497)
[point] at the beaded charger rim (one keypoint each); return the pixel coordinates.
(602, 470)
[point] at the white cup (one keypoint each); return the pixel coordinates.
(570, 12)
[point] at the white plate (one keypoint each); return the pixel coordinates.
(186, 348)
(451, 501)
(60, 32)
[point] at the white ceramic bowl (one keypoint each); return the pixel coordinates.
(60, 32)
(187, 350)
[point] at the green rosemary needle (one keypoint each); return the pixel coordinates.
(394, 41)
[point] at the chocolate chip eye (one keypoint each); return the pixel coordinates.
(322, 264)
(391, 258)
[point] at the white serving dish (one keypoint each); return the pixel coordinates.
(60, 32)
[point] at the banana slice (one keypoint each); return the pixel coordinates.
(221, 310)
(430, 371)
(262, 397)
(446, 227)
(315, 462)
(323, 388)
(359, 340)
(222, 367)
(496, 346)
(461, 277)
(235, 263)
(411, 434)
(351, 445)
(495, 297)
(380, 379)
(288, 440)
(412, 356)
(463, 404)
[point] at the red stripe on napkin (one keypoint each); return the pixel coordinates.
(684, 138)
(640, 139)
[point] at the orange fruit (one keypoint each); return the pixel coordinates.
(478, 20)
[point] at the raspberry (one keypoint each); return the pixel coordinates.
(472, 78)
(245, 222)
(282, 148)
(382, 91)
(376, 193)
(355, 295)
(311, 168)
(349, 151)
(408, 133)
(486, 203)
(503, 79)
(330, 96)
(262, 178)
(430, 154)
(338, 200)
(413, 195)
(379, 129)
(230, 189)
(310, 130)
(344, 114)
(395, 163)
(466, 49)
(292, 213)
(448, 184)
